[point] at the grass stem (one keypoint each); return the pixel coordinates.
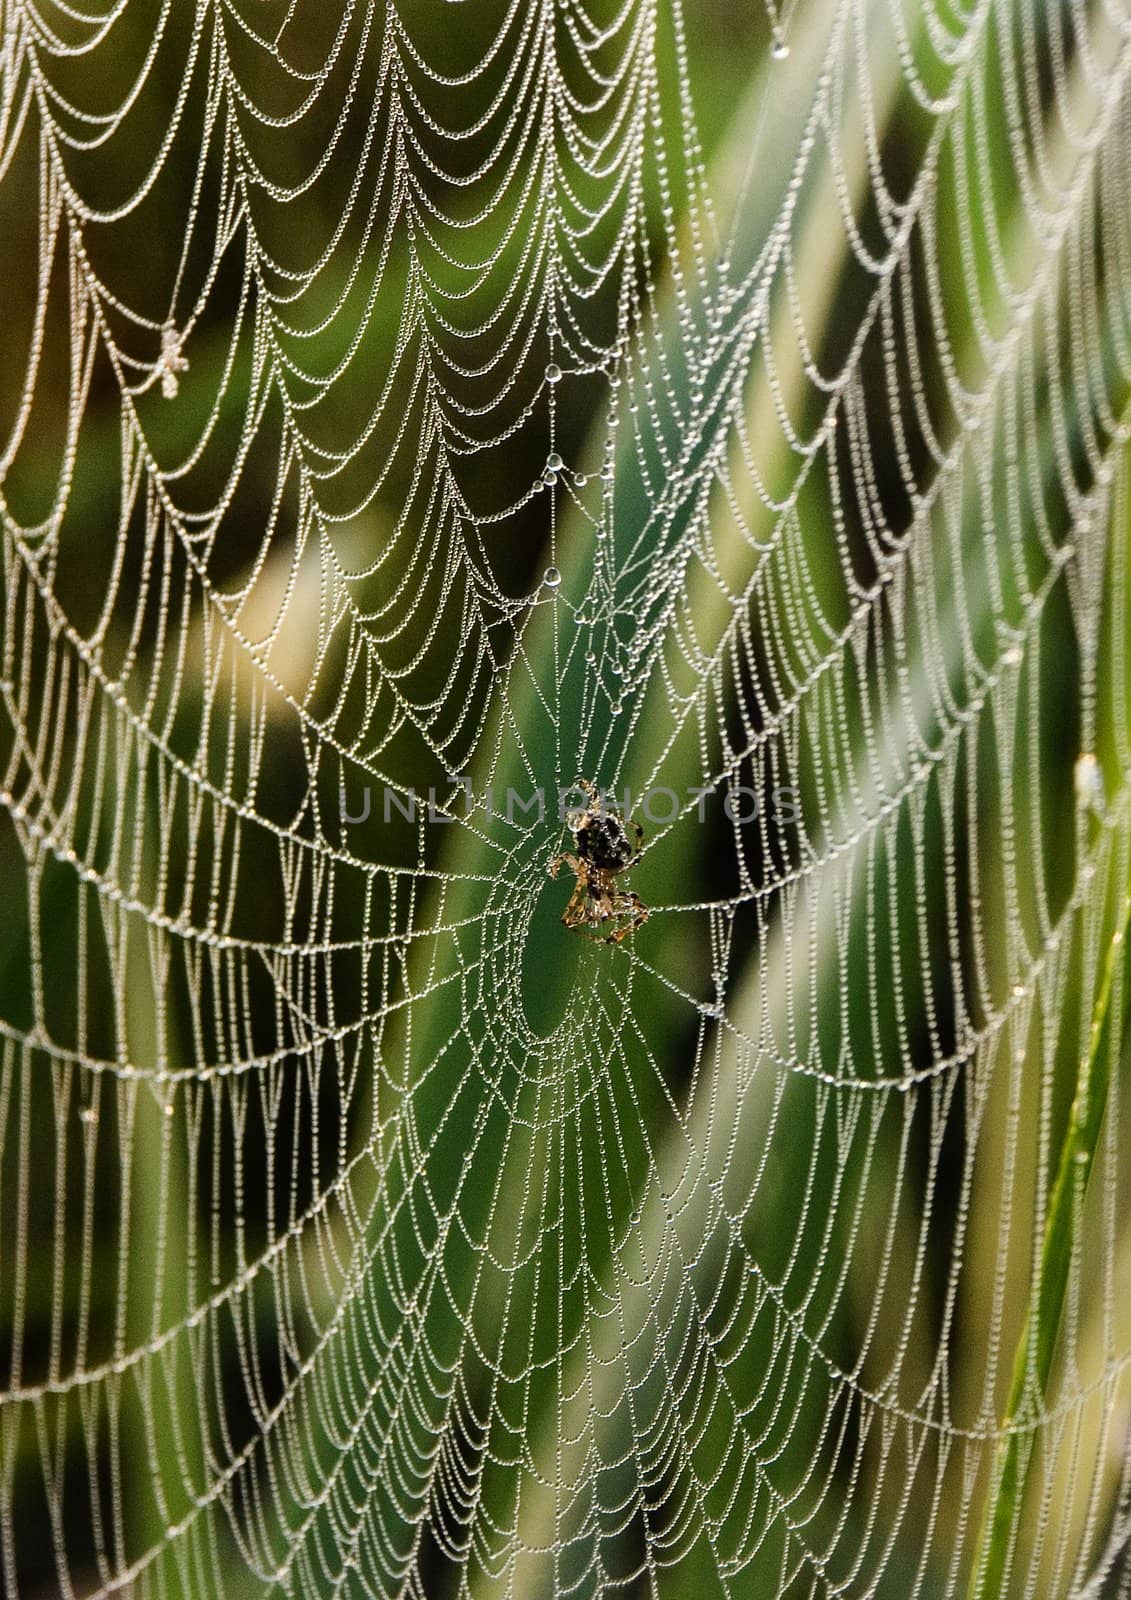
(1033, 1360)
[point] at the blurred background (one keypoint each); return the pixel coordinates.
(464, 399)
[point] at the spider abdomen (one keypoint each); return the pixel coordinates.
(603, 842)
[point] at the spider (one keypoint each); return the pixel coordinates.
(604, 850)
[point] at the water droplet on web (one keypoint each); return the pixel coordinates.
(1018, 991)
(581, 479)
(1091, 792)
(554, 462)
(590, 658)
(551, 577)
(88, 1115)
(606, 474)
(553, 373)
(549, 478)
(779, 50)
(617, 707)
(1081, 1158)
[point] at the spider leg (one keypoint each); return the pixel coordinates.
(627, 904)
(571, 862)
(594, 900)
(576, 913)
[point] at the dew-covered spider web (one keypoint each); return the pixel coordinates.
(408, 409)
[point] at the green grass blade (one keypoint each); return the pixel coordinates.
(1034, 1357)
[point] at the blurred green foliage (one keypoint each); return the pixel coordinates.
(880, 1206)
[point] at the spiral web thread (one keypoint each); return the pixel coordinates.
(363, 1231)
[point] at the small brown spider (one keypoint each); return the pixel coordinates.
(604, 850)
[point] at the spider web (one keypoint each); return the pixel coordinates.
(407, 411)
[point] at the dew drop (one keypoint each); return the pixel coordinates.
(779, 50)
(606, 474)
(88, 1114)
(1081, 1158)
(617, 707)
(551, 577)
(553, 373)
(580, 479)
(1091, 791)
(549, 478)
(590, 658)
(554, 462)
